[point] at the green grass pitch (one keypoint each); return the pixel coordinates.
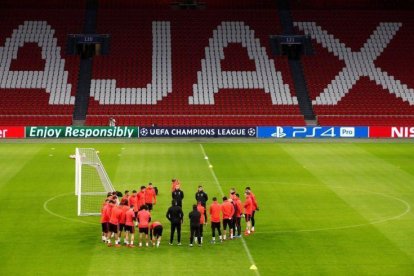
(326, 208)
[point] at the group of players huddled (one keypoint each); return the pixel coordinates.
(121, 214)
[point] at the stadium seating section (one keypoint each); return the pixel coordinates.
(37, 78)
(210, 67)
(350, 4)
(49, 4)
(35, 120)
(361, 66)
(373, 120)
(172, 51)
(165, 4)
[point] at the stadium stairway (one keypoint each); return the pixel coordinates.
(82, 95)
(295, 66)
(85, 68)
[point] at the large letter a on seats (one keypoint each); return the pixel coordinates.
(54, 78)
(211, 78)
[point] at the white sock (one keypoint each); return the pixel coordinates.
(220, 237)
(224, 236)
(214, 238)
(132, 242)
(253, 228)
(201, 239)
(140, 244)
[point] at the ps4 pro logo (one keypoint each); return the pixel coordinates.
(313, 132)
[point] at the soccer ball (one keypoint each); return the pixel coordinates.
(210, 166)
(206, 158)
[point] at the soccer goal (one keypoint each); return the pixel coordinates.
(91, 182)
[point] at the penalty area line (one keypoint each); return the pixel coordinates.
(246, 248)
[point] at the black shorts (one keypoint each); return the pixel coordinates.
(113, 228)
(226, 222)
(149, 206)
(143, 230)
(105, 227)
(215, 225)
(121, 227)
(130, 229)
(248, 217)
(157, 231)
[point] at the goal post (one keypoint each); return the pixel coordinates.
(91, 182)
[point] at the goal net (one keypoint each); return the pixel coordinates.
(91, 182)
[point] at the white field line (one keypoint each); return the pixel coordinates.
(374, 222)
(45, 207)
(246, 248)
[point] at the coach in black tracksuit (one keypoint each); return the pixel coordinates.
(202, 197)
(178, 196)
(175, 216)
(195, 225)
